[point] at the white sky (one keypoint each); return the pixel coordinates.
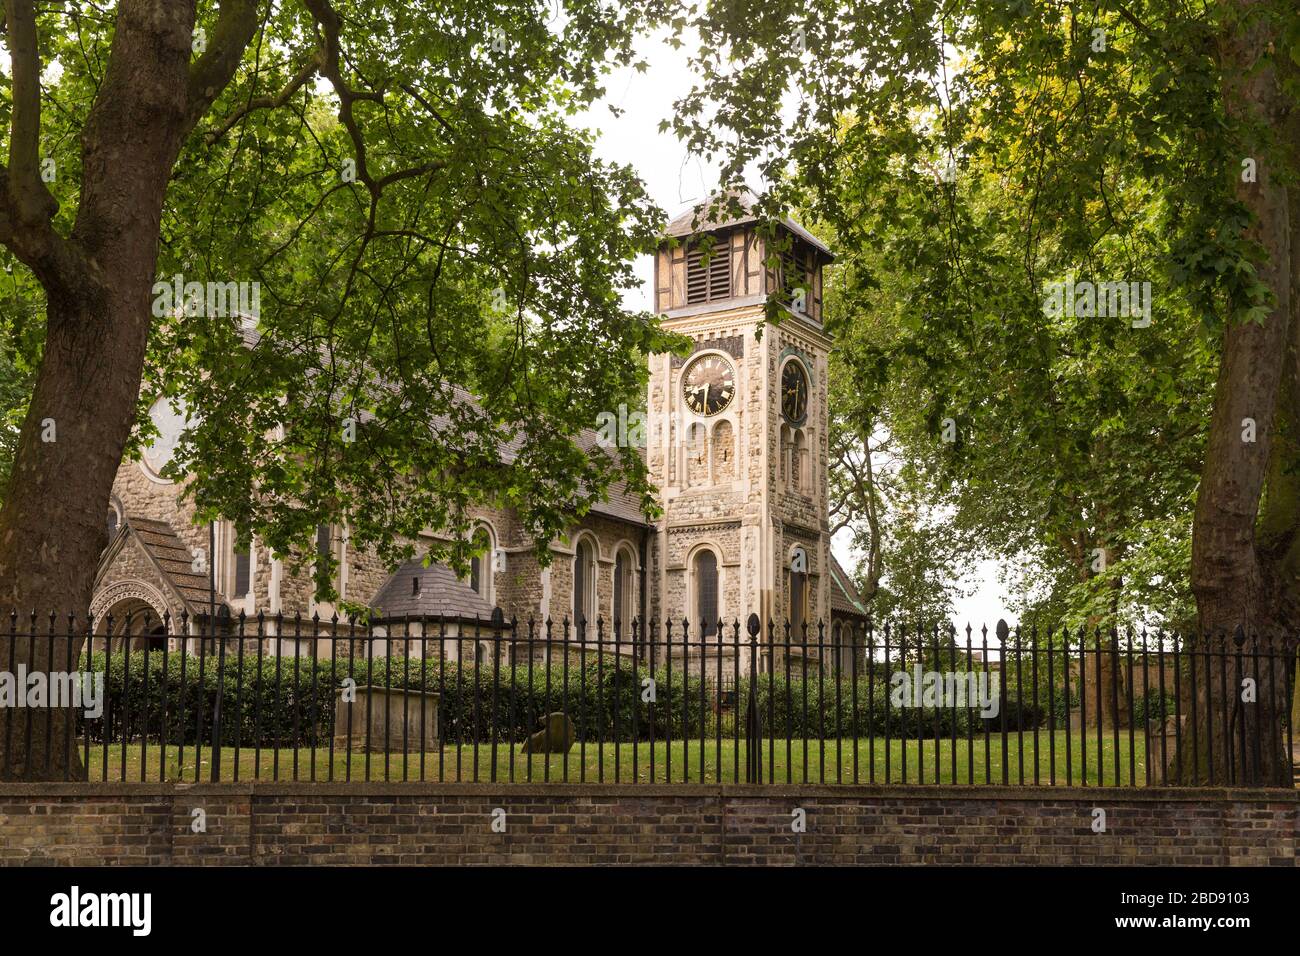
(677, 181)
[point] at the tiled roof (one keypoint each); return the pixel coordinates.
(844, 594)
(440, 592)
(620, 504)
(173, 560)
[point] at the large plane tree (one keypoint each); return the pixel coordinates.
(402, 185)
(1105, 128)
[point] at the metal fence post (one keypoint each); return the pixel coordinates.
(753, 738)
(221, 687)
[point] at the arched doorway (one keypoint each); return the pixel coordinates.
(135, 614)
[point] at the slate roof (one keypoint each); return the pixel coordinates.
(441, 593)
(620, 504)
(685, 224)
(845, 599)
(172, 558)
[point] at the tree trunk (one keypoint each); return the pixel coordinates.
(1243, 597)
(98, 285)
(53, 525)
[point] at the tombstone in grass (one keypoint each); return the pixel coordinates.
(556, 736)
(386, 719)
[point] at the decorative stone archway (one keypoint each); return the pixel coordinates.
(133, 609)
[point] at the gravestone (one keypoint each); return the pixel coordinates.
(556, 736)
(389, 719)
(1167, 731)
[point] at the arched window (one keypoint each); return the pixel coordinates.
(113, 520)
(330, 549)
(584, 582)
(798, 480)
(783, 458)
(234, 564)
(706, 591)
(243, 570)
(723, 451)
(697, 454)
(480, 565)
(798, 603)
(625, 604)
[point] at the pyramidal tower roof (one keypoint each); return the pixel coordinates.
(733, 208)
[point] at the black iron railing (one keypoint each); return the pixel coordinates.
(454, 699)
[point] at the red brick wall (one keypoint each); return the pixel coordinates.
(286, 823)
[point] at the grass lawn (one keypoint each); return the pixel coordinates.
(829, 761)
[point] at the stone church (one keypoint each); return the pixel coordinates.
(736, 443)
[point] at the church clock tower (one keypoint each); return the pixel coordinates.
(737, 437)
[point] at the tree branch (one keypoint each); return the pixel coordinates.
(30, 199)
(26, 206)
(214, 69)
(328, 21)
(305, 73)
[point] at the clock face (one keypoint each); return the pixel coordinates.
(708, 385)
(794, 392)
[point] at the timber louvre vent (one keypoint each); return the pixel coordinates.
(711, 282)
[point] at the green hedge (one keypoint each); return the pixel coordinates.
(297, 701)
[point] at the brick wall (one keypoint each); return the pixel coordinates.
(271, 824)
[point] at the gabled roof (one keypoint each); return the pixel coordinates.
(169, 556)
(440, 593)
(173, 559)
(845, 598)
(685, 224)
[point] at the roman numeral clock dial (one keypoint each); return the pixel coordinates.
(708, 385)
(794, 393)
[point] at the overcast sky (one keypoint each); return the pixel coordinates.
(676, 181)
